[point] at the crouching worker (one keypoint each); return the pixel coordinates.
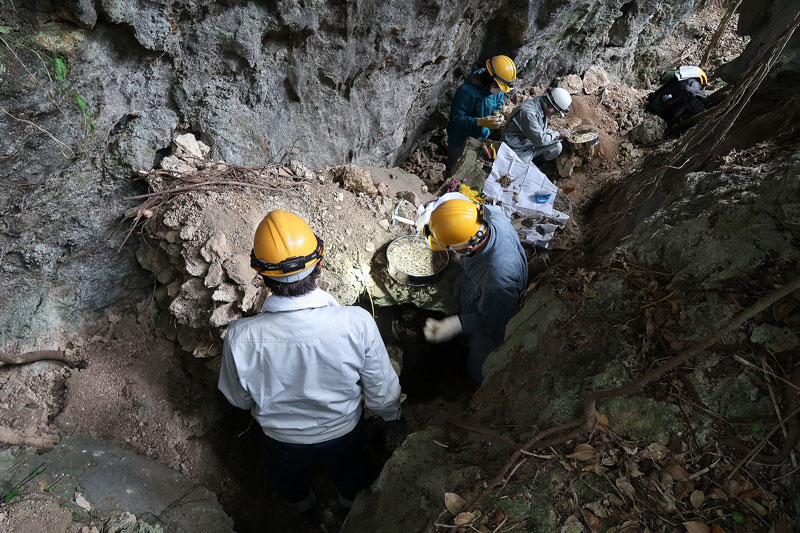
(680, 97)
(301, 367)
(493, 274)
(527, 133)
(475, 109)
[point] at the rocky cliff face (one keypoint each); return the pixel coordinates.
(93, 91)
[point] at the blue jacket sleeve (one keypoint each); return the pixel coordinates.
(499, 103)
(498, 306)
(460, 110)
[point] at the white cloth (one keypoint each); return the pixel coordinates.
(513, 185)
(424, 211)
(686, 72)
(302, 365)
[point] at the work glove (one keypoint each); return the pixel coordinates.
(424, 215)
(564, 133)
(493, 122)
(437, 331)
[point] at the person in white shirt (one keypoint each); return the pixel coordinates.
(302, 365)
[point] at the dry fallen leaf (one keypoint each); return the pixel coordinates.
(717, 529)
(625, 486)
(453, 502)
(628, 527)
(677, 472)
(682, 489)
(655, 451)
(667, 481)
(718, 494)
(583, 452)
(696, 527)
(594, 523)
(733, 487)
(42, 484)
(697, 498)
(463, 519)
(602, 420)
(752, 493)
(783, 308)
(597, 508)
(757, 507)
(589, 292)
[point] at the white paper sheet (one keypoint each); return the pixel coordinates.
(514, 185)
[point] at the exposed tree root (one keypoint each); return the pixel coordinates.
(566, 432)
(41, 355)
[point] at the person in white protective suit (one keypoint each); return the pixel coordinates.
(526, 130)
(302, 365)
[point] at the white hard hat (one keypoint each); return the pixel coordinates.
(559, 99)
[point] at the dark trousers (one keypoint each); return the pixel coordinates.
(346, 459)
(453, 154)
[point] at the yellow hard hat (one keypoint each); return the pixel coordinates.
(455, 224)
(503, 70)
(284, 247)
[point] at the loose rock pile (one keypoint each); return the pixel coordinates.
(198, 247)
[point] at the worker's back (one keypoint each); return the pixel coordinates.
(306, 368)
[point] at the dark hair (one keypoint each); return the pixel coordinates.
(295, 288)
(486, 79)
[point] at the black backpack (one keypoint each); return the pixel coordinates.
(677, 100)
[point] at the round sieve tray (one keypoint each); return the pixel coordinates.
(584, 138)
(397, 268)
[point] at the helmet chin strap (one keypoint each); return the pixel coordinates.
(477, 239)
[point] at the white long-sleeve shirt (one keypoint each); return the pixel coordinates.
(302, 364)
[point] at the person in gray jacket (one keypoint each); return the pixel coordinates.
(302, 365)
(526, 130)
(493, 273)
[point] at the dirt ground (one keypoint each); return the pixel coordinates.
(140, 390)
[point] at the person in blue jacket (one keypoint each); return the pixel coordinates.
(475, 109)
(494, 272)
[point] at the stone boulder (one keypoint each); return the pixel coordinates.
(355, 179)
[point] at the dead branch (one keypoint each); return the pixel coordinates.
(717, 34)
(56, 139)
(565, 432)
(791, 432)
(205, 186)
(41, 355)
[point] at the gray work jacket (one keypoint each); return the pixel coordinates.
(527, 129)
(488, 288)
